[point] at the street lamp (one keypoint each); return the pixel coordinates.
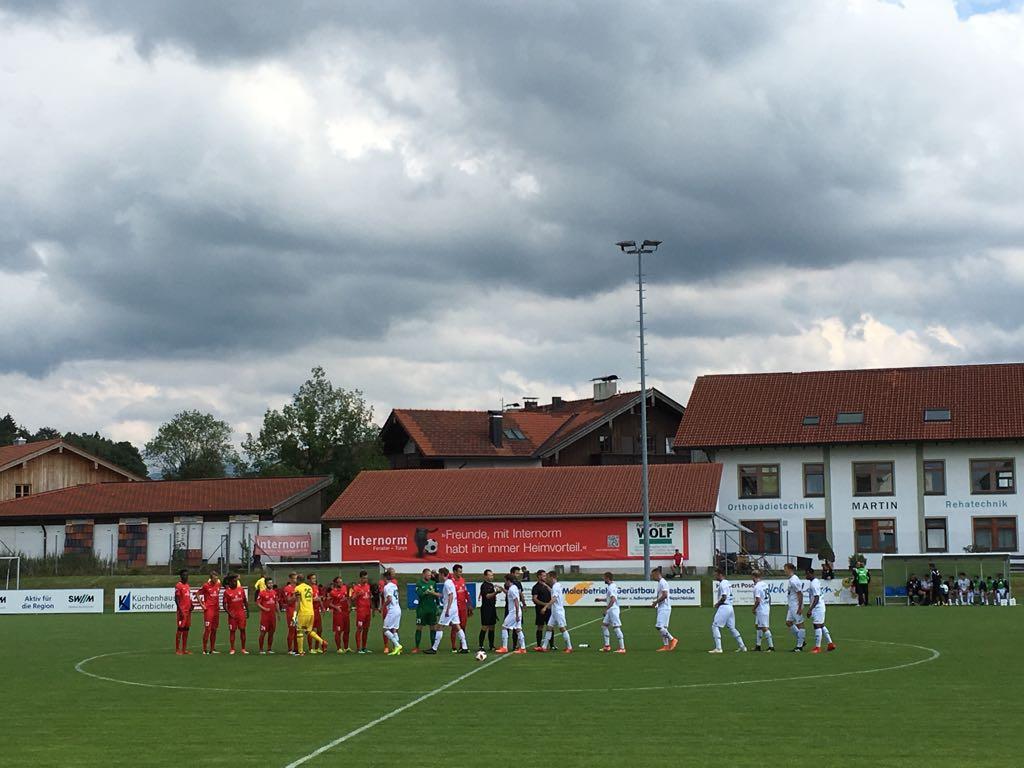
(630, 248)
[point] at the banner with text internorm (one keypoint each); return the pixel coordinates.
(684, 594)
(51, 601)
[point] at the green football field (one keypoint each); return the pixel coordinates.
(907, 687)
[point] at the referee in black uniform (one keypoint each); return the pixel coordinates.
(488, 609)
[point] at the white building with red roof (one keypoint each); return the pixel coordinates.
(907, 460)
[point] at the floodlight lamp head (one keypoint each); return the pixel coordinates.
(627, 246)
(651, 244)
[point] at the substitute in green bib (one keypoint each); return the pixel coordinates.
(426, 608)
(861, 579)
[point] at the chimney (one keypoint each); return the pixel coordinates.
(530, 403)
(496, 424)
(556, 403)
(605, 387)
(20, 440)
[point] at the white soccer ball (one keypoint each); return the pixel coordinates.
(431, 547)
(481, 656)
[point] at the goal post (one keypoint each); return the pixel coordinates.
(326, 570)
(896, 569)
(10, 566)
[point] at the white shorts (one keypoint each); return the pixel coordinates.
(448, 619)
(611, 617)
(664, 616)
(792, 616)
(557, 619)
(818, 614)
(762, 615)
(511, 622)
(393, 618)
(725, 616)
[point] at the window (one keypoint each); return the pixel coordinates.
(935, 534)
(21, 491)
(765, 536)
(935, 478)
(937, 414)
(995, 534)
(814, 535)
(605, 442)
(875, 535)
(850, 417)
(814, 480)
(759, 481)
(812, 421)
(652, 445)
(872, 478)
(992, 476)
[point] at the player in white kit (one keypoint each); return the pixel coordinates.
(611, 620)
(449, 614)
(514, 620)
(762, 613)
(795, 606)
(663, 605)
(557, 618)
(725, 615)
(964, 587)
(392, 615)
(816, 612)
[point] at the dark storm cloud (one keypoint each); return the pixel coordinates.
(701, 124)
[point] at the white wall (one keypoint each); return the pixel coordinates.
(23, 539)
(104, 541)
(212, 533)
(958, 505)
(158, 543)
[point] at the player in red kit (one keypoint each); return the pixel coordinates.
(288, 600)
(319, 606)
(269, 602)
(362, 595)
(461, 601)
(209, 593)
(236, 604)
(183, 602)
(340, 604)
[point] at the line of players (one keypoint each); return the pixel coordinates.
(443, 604)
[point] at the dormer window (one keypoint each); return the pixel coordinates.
(812, 421)
(938, 414)
(850, 417)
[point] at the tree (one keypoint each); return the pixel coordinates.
(122, 453)
(192, 445)
(45, 433)
(9, 430)
(323, 430)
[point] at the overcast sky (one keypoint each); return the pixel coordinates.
(200, 201)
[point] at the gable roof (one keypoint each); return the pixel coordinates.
(986, 402)
(217, 496)
(12, 455)
(527, 492)
(547, 428)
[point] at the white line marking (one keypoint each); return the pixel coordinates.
(383, 718)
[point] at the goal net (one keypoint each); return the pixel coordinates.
(897, 569)
(10, 571)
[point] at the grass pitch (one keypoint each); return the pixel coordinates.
(909, 687)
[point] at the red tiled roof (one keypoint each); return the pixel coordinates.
(466, 433)
(223, 496)
(986, 403)
(526, 493)
(12, 453)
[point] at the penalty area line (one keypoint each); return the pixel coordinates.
(405, 707)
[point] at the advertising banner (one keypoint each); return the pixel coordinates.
(283, 546)
(835, 591)
(151, 600)
(683, 594)
(525, 541)
(51, 601)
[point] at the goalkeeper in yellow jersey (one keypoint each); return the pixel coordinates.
(304, 597)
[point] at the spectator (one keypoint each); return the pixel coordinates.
(827, 571)
(677, 563)
(915, 595)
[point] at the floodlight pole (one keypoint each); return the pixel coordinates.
(646, 247)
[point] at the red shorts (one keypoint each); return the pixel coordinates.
(268, 621)
(318, 623)
(463, 615)
(236, 621)
(211, 619)
(290, 617)
(340, 620)
(362, 619)
(184, 620)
